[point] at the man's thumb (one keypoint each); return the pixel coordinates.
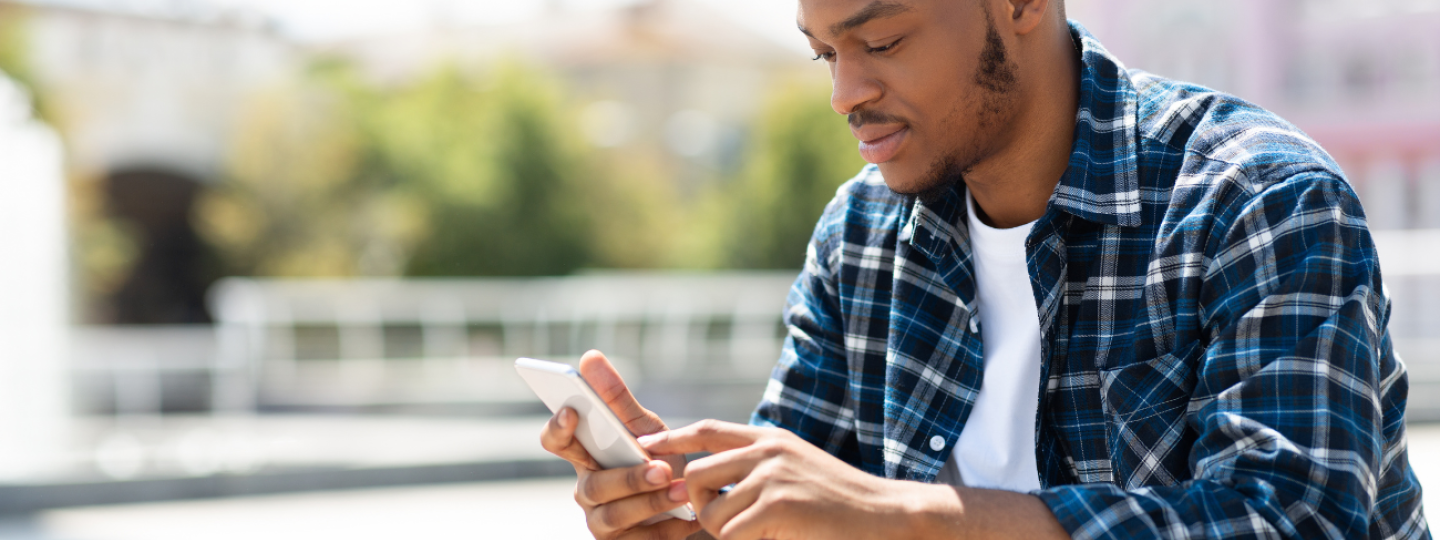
(601, 374)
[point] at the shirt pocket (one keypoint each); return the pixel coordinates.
(1145, 405)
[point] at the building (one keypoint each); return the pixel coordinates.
(149, 90)
(1359, 76)
(145, 101)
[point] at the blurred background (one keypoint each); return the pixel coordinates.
(269, 261)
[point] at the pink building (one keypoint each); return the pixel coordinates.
(1362, 77)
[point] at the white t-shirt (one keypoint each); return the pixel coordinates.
(997, 447)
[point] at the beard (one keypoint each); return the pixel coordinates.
(996, 77)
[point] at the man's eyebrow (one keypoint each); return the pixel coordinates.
(878, 9)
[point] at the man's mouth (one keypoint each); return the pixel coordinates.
(879, 144)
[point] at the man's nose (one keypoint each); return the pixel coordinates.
(852, 86)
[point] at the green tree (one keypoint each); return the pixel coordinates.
(802, 151)
(488, 157)
(15, 51)
(458, 173)
(298, 198)
(477, 172)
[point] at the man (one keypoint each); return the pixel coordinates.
(1070, 301)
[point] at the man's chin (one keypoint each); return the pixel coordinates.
(924, 182)
(901, 179)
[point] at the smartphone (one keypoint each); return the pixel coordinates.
(599, 431)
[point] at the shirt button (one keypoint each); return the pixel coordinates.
(937, 443)
(974, 325)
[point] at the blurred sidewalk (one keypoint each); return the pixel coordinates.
(530, 509)
(539, 509)
(184, 457)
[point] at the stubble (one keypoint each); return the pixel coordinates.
(995, 76)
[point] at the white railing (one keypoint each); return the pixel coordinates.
(346, 343)
(1410, 262)
(377, 342)
(142, 370)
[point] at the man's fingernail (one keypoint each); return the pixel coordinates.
(564, 419)
(645, 440)
(677, 492)
(655, 476)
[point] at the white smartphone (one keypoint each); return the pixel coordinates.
(600, 431)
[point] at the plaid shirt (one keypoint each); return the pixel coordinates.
(1215, 359)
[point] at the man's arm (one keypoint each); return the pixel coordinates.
(1295, 386)
(808, 389)
(1290, 432)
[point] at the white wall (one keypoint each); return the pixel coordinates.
(149, 91)
(33, 280)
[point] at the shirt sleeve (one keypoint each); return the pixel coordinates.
(808, 390)
(1298, 404)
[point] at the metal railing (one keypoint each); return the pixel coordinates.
(345, 343)
(380, 342)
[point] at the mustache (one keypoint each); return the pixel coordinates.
(866, 116)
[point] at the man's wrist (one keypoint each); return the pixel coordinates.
(942, 511)
(933, 511)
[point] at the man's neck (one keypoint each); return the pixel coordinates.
(1013, 186)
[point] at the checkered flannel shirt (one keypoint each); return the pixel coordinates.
(1215, 359)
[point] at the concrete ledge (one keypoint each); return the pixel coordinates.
(23, 499)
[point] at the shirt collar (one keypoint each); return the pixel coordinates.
(1102, 182)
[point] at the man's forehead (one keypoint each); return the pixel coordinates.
(835, 17)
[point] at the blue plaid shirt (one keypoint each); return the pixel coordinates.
(1215, 359)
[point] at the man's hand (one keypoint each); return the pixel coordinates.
(785, 488)
(617, 501)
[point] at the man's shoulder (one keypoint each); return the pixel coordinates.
(1218, 134)
(1215, 156)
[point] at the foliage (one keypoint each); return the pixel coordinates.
(470, 171)
(12, 40)
(14, 54)
(478, 173)
(456, 174)
(105, 249)
(488, 157)
(802, 151)
(639, 217)
(296, 200)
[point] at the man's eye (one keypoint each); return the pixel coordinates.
(828, 56)
(884, 48)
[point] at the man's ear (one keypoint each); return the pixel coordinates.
(1025, 15)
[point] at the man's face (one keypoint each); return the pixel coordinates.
(928, 85)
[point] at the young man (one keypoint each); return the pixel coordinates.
(1069, 300)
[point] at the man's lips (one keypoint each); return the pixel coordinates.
(879, 144)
